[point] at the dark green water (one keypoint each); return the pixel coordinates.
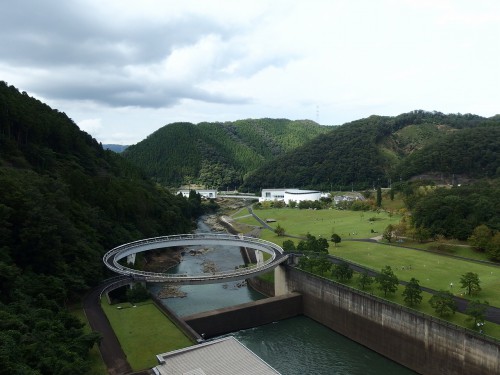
(302, 346)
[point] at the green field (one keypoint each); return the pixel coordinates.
(143, 332)
(347, 224)
(435, 271)
(490, 329)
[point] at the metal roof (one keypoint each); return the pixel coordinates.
(225, 356)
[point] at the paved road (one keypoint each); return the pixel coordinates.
(111, 351)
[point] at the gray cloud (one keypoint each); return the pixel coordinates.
(85, 57)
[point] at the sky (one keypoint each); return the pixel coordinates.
(121, 69)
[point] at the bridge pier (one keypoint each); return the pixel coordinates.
(280, 283)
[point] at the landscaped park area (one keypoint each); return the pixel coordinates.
(147, 328)
(434, 270)
(143, 332)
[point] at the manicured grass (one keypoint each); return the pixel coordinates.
(432, 270)
(143, 332)
(459, 319)
(347, 224)
(97, 364)
(451, 248)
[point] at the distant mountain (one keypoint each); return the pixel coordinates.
(217, 154)
(115, 148)
(378, 149)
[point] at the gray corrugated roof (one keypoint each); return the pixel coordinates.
(225, 356)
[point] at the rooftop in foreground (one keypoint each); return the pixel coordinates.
(225, 356)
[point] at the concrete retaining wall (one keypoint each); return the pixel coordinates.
(248, 315)
(262, 286)
(428, 346)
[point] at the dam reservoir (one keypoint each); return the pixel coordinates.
(293, 346)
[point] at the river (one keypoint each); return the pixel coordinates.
(293, 346)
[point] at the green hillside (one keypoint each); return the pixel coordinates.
(218, 154)
(64, 202)
(378, 149)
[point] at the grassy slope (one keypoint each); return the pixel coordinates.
(144, 327)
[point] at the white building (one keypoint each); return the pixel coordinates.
(207, 193)
(272, 195)
(298, 195)
(288, 195)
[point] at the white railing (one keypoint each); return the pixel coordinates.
(112, 257)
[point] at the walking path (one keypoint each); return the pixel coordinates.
(110, 348)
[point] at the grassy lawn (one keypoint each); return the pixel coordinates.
(432, 270)
(459, 319)
(143, 332)
(347, 224)
(97, 364)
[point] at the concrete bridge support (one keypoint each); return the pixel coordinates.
(280, 282)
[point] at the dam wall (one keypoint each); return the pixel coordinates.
(419, 342)
(252, 314)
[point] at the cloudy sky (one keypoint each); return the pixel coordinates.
(121, 69)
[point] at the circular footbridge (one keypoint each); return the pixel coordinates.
(112, 258)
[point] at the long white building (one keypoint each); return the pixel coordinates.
(205, 193)
(288, 195)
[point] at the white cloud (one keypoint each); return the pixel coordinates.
(122, 68)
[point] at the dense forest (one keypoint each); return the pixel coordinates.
(217, 155)
(380, 149)
(64, 201)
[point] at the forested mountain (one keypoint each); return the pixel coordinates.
(375, 150)
(218, 154)
(64, 201)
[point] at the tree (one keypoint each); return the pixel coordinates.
(379, 197)
(288, 246)
(137, 293)
(493, 248)
(421, 234)
(305, 263)
(387, 280)
(336, 239)
(387, 235)
(412, 293)
(470, 281)
(302, 246)
(476, 312)
(323, 264)
(365, 280)
(279, 231)
(481, 236)
(322, 245)
(443, 303)
(342, 272)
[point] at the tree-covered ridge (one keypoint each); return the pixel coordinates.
(217, 154)
(473, 152)
(375, 150)
(64, 202)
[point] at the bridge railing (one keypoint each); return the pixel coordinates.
(276, 251)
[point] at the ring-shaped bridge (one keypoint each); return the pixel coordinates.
(111, 258)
